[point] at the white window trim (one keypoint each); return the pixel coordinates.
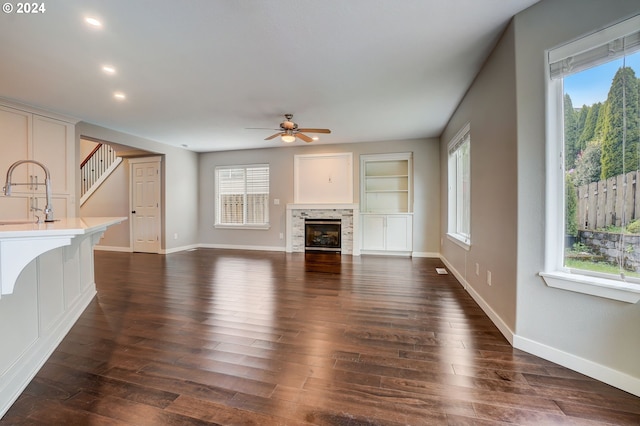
(459, 239)
(252, 226)
(555, 274)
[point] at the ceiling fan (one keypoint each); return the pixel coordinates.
(289, 131)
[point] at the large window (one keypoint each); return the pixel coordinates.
(594, 155)
(459, 225)
(242, 196)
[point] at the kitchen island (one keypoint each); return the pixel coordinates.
(46, 281)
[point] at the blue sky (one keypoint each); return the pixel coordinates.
(592, 86)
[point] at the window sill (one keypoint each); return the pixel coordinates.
(258, 227)
(460, 241)
(594, 286)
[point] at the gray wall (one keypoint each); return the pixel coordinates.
(179, 182)
(593, 332)
(86, 147)
(506, 108)
(489, 107)
(111, 199)
(426, 190)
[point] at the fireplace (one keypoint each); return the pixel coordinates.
(323, 234)
(297, 214)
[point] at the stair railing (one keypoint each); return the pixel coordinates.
(94, 165)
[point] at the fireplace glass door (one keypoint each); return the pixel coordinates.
(322, 234)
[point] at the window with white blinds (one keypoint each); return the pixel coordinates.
(459, 188)
(593, 163)
(242, 196)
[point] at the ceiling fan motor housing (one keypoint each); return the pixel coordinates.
(290, 131)
(288, 125)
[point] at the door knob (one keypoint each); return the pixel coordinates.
(133, 211)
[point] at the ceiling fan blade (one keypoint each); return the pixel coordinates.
(273, 136)
(304, 137)
(315, 130)
(260, 128)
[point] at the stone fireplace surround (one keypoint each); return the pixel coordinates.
(348, 213)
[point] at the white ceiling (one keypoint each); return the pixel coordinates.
(199, 72)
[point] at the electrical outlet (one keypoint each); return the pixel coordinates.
(276, 201)
(478, 269)
(281, 235)
(489, 277)
(175, 236)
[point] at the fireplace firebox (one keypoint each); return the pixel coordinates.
(323, 234)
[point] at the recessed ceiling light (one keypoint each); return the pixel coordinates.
(95, 23)
(315, 138)
(120, 96)
(108, 69)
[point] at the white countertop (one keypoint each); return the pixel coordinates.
(65, 226)
(21, 242)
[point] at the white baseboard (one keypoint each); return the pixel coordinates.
(589, 368)
(385, 253)
(493, 316)
(192, 246)
(425, 254)
(26, 367)
(238, 247)
(178, 249)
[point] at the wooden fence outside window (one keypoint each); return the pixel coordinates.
(611, 202)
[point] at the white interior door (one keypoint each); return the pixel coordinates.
(145, 204)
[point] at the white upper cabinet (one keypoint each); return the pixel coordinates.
(53, 147)
(30, 135)
(15, 138)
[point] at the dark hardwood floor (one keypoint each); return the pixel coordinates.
(264, 338)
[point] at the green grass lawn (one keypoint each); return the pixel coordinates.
(602, 267)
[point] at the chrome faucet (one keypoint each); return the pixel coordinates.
(48, 211)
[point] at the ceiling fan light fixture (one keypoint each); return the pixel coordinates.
(93, 22)
(288, 138)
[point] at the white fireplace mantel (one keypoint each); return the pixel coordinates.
(322, 206)
(326, 208)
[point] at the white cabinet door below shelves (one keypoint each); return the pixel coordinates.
(373, 232)
(387, 233)
(398, 233)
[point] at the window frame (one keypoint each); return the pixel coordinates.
(555, 274)
(456, 199)
(217, 202)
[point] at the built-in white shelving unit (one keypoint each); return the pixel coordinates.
(386, 203)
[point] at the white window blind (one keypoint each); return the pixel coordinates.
(595, 49)
(459, 226)
(242, 195)
(464, 135)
